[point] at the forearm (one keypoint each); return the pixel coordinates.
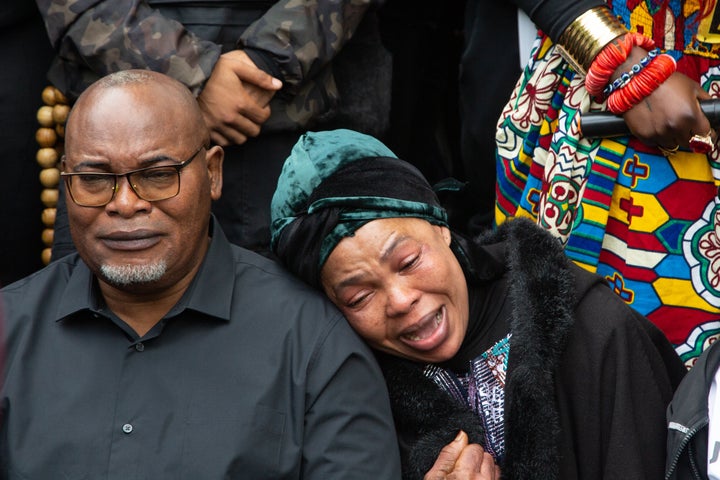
(295, 40)
(107, 36)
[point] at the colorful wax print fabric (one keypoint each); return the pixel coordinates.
(647, 223)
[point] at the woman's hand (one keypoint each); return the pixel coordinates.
(671, 115)
(459, 460)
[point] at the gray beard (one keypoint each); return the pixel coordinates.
(126, 275)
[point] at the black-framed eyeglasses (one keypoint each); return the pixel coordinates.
(152, 184)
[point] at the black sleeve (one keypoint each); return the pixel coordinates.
(554, 16)
(616, 379)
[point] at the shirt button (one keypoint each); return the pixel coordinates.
(139, 347)
(127, 428)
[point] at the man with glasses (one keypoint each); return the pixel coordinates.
(160, 350)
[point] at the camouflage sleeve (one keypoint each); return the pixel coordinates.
(105, 36)
(301, 37)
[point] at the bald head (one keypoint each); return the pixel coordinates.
(153, 230)
(123, 96)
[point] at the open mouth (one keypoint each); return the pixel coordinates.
(428, 333)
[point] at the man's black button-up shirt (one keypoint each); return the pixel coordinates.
(251, 375)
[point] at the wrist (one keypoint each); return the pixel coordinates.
(641, 84)
(587, 35)
(636, 55)
(607, 62)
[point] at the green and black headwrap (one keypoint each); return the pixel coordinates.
(333, 183)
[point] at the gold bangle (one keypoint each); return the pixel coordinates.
(587, 35)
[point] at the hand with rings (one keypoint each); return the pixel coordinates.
(703, 143)
(698, 144)
(668, 151)
(671, 115)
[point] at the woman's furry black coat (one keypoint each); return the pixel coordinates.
(588, 378)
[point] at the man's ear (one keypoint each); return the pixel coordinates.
(214, 158)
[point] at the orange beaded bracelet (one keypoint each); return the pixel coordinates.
(610, 58)
(642, 84)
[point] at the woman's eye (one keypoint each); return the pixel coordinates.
(356, 301)
(411, 262)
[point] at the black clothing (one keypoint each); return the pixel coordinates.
(687, 417)
(26, 56)
(488, 322)
(251, 375)
(425, 38)
(554, 16)
(588, 378)
(250, 171)
(486, 79)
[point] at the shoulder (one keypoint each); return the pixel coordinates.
(596, 320)
(607, 328)
(46, 282)
(305, 327)
(695, 386)
(32, 302)
(263, 277)
(266, 290)
(252, 263)
(602, 314)
(597, 305)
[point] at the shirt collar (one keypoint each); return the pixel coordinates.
(79, 292)
(210, 292)
(212, 288)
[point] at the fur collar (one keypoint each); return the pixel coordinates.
(542, 294)
(541, 288)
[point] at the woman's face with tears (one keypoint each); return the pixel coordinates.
(401, 288)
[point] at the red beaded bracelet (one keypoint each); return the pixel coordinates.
(610, 58)
(642, 84)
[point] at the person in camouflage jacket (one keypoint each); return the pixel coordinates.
(327, 54)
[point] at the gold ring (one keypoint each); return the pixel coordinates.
(668, 151)
(702, 143)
